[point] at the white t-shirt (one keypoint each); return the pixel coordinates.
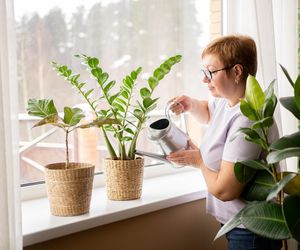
(218, 145)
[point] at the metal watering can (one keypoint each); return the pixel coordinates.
(167, 135)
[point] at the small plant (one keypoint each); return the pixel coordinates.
(72, 116)
(131, 116)
(273, 197)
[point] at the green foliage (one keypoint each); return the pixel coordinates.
(46, 109)
(270, 213)
(130, 116)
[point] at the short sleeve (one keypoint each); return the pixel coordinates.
(238, 148)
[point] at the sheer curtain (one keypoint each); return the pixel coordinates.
(273, 25)
(10, 215)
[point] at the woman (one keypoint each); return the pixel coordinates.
(227, 61)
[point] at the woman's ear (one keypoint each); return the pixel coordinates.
(238, 70)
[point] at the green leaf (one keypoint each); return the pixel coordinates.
(125, 94)
(288, 141)
(99, 122)
(159, 74)
(290, 104)
(145, 93)
(153, 82)
(256, 164)
(287, 75)
(259, 186)
(165, 67)
(229, 225)
(264, 123)
(86, 94)
(52, 119)
(269, 106)
(265, 219)
(280, 155)
(147, 102)
(291, 213)
(93, 62)
(254, 94)
(248, 111)
(243, 173)
(119, 107)
(103, 78)
(109, 86)
(269, 92)
(129, 130)
(96, 72)
(41, 108)
(297, 92)
(72, 116)
(279, 186)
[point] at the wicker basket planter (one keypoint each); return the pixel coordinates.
(124, 179)
(69, 190)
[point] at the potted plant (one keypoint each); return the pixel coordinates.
(69, 184)
(123, 170)
(273, 196)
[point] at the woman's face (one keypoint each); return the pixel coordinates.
(221, 84)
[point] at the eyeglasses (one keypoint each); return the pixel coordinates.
(209, 74)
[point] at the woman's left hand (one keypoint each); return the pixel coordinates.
(188, 157)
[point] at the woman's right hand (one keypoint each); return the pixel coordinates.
(180, 104)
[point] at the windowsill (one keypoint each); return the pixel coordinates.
(181, 186)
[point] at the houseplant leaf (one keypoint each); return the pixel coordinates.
(248, 111)
(287, 75)
(265, 219)
(293, 187)
(291, 206)
(243, 173)
(288, 141)
(280, 185)
(259, 186)
(41, 108)
(254, 94)
(297, 92)
(72, 116)
(276, 156)
(290, 104)
(52, 119)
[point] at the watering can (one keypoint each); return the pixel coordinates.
(167, 135)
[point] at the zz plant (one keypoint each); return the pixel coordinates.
(273, 197)
(121, 105)
(46, 109)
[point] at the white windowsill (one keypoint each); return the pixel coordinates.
(159, 192)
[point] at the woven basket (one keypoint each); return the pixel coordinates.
(69, 190)
(124, 179)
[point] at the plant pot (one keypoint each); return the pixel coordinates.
(69, 190)
(124, 179)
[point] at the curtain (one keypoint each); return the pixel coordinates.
(273, 26)
(10, 215)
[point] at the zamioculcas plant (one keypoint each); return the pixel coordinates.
(131, 116)
(273, 197)
(46, 109)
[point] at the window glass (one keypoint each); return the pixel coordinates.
(123, 34)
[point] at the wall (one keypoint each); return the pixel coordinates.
(183, 227)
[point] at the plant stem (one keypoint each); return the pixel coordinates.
(67, 148)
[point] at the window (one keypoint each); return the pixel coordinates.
(124, 34)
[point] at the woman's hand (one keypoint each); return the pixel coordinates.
(189, 157)
(180, 104)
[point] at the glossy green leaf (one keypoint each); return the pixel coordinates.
(159, 74)
(109, 86)
(248, 111)
(288, 141)
(145, 93)
(153, 82)
(99, 122)
(93, 62)
(290, 104)
(243, 173)
(147, 102)
(279, 155)
(291, 205)
(72, 116)
(96, 72)
(297, 92)
(269, 106)
(103, 78)
(254, 94)
(256, 164)
(165, 67)
(264, 123)
(41, 108)
(265, 219)
(287, 75)
(279, 186)
(229, 225)
(119, 107)
(269, 92)
(259, 186)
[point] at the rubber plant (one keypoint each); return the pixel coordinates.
(46, 109)
(273, 197)
(121, 105)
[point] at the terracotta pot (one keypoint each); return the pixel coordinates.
(69, 190)
(124, 178)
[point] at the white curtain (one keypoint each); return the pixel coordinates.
(10, 215)
(273, 25)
